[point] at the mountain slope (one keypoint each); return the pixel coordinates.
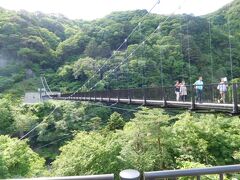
(60, 47)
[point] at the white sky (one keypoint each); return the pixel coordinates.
(92, 9)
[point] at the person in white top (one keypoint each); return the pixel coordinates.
(222, 87)
(183, 91)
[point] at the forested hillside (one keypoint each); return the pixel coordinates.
(77, 138)
(71, 51)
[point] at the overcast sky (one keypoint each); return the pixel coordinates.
(93, 9)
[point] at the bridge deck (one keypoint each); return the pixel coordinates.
(157, 103)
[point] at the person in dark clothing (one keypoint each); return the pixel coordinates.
(177, 90)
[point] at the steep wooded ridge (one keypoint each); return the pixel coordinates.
(70, 51)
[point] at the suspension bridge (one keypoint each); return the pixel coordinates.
(163, 96)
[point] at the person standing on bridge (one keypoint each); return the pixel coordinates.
(222, 87)
(199, 89)
(183, 91)
(177, 90)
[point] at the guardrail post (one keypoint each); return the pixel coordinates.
(101, 98)
(164, 98)
(109, 95)
(118, 96)
(129, 96)
(129, 174)
(235, 99)
(192, 98)
(220, 176)
(164, 102)
(144, 96)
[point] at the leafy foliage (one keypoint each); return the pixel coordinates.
(18, 160)
(153, 140)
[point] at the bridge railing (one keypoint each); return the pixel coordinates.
(123, 94)
(219, 172)
(238, 92)
(191, 173)
(91, 177)
(210, 94)
(155, 93)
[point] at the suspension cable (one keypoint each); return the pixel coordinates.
(44, 87)
(161, 67)
(210, 49)
(142, 52)
(54, 141)
(146, 39)
(100, 105)
(47, 85)
(211, 57)
(70, 134)
(189, 57)
(127, 69)
(35, 127)
(230, 44)
(139, 45)
(125, 41)
(182, 55)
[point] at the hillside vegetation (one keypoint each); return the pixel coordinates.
(71, 51)
(78, 138)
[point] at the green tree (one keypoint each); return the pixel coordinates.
(6, 118)
(115, 122)
(88, 153)
(18, 160)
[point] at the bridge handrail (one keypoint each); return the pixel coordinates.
(91, 177)
(187, 85)
(191, 172)
(132, 174)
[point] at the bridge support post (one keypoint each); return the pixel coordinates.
(109, 95)
(164, 98)
(95, 96)
(235, 99)
(192, 98)
(118, 96)
(129, 96)
(144, 96)
(164, 102)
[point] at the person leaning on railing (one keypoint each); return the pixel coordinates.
(199, 89)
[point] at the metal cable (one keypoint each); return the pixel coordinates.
(124, 42)
(146, 39)
(139, 45)
(230, 45)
